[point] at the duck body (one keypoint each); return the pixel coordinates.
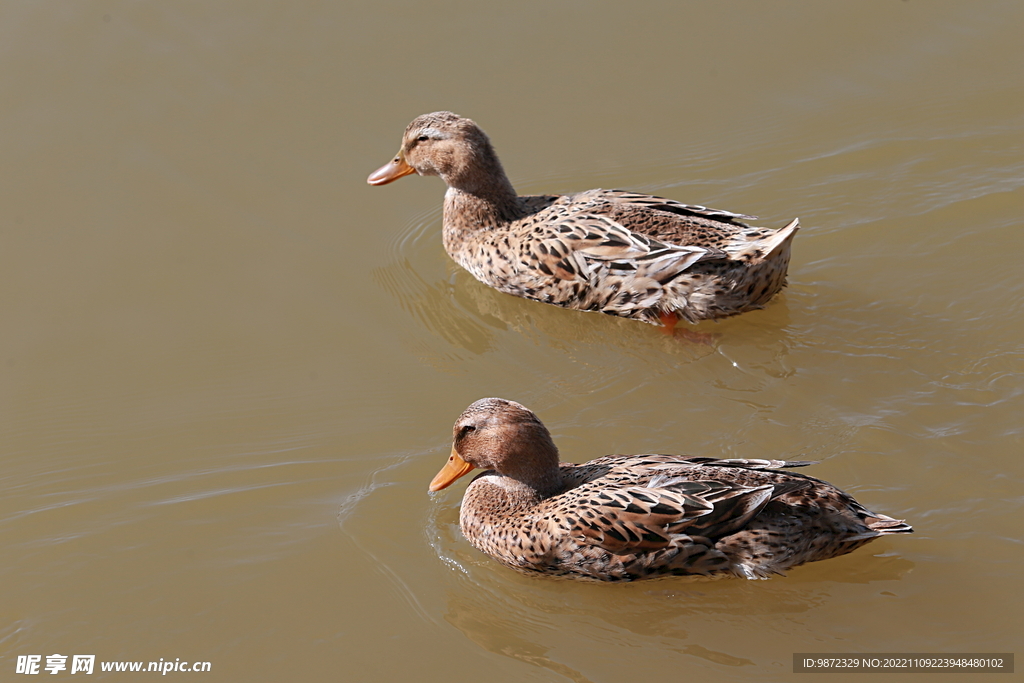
(620, 253)
(623, 518)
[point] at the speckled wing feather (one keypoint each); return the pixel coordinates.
(672, 206)
(634, 518)
(575, 246)
(659, 463)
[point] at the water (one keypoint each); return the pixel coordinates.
(229, 368)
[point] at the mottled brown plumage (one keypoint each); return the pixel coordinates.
(620, 253)
(628, 517)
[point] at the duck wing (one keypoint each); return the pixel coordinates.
(676, 223)
(654, 203)
(644, 518)
(577, 246)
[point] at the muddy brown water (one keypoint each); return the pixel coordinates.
(229, 367)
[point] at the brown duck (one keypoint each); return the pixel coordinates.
(621, 253)
(628, 517)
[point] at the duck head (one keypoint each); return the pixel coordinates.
(504, 436)
(450, 146)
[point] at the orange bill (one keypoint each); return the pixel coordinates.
(391, 171)
(452, 470)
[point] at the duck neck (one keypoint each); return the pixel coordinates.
(482, 210)
(534, 470)
(479, 192)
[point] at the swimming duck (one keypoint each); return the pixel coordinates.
(621, 253)
(628, 517)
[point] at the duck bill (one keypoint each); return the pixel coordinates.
(391, 171)
(452, 470)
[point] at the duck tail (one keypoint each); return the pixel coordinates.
(877, 524)
(781, 237)
(887, 525)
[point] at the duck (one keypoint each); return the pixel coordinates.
(631, 517)
(616, 252)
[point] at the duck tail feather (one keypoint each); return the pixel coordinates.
(781, 237)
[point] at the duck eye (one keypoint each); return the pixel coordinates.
(466, 429)
(422, 138)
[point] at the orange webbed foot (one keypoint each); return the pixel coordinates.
(669, 320)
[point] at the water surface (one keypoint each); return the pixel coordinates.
(229, 368)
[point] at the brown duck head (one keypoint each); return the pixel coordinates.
(450, 146)
(504, 436)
